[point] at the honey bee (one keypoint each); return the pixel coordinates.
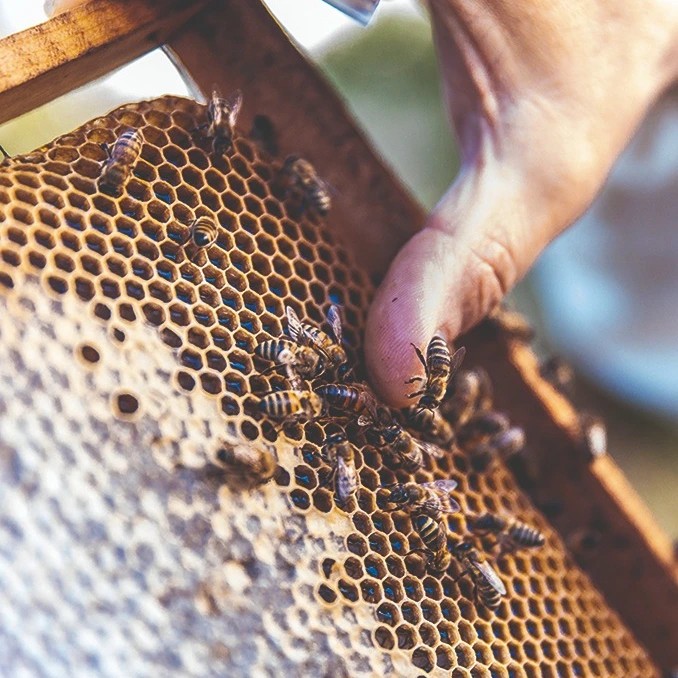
(432, 499)
(402, 449)
(222, 114)
(432, 426)
(338, 452)
(292, 405)
(469, 391)
(254, 466)
(304, 361)
(512, 534)
(203, 231)
(354, 398)
(117, 168)
(309, 335)
(300, 174)
(439, 366)
(489, 588)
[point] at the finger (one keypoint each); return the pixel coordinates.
(475, 245)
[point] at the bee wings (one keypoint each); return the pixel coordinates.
(430, 449)
(442, 489)
(492, 578)
(334, 319)
(234, 104)
(346, 481)
(371, 405)
(294, 327)
(456, 360)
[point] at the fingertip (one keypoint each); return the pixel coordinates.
(407, 309)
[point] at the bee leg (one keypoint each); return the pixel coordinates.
(416, 393)
(269, 369)
(420, 355)
(106, 148)
(5, 153)
(411, 381)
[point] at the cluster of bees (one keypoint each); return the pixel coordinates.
(453, 406)
(296, 174)
(404, 439)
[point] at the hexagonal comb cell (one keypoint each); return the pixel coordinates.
(127, 261)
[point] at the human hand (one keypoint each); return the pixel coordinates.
(543, 97)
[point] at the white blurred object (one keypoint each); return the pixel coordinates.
(609, 286)
(360, 10)
(314, 24)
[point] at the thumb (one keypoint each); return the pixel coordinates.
(475, 245)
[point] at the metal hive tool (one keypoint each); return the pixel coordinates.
(127, 366)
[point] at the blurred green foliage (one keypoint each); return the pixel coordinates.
(388, 74)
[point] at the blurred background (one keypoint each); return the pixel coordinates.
(604, 296)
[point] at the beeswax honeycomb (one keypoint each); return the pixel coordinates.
(126, 366)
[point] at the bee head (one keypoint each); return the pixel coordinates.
(463, 547)
(390, 433)
(399, 495)
(427, 402)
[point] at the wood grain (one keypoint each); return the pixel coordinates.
(78, 46)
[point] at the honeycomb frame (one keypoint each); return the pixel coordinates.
(118, 263)
(256, 56)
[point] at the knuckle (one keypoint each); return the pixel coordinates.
(493, 271)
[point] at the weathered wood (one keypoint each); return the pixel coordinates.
(239, 44)
(78, 46)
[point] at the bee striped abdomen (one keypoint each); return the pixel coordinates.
(279, 405)
(125, 152)
(438, 356)
(487, 594)
(524, 535)
(341, 396)
(204, 231)
(432, 533)
(272, 348)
